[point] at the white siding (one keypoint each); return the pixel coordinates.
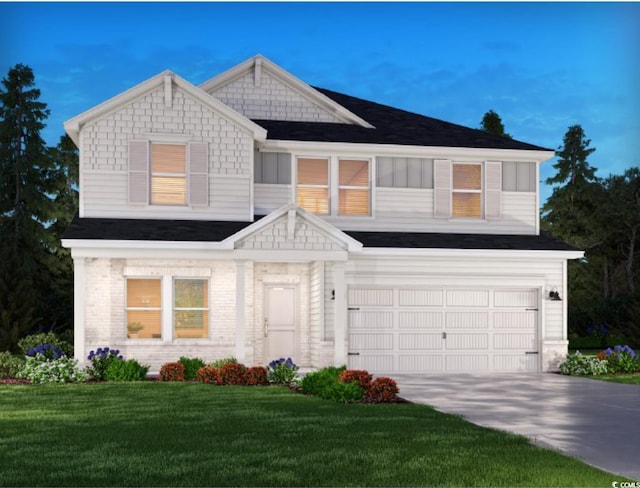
(105, 147)
(106, 196)
(270, 197)
(268, 98)
(411, 210)
(316, 309)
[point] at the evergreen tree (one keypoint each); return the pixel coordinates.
(569, 210)
(492, 124)
(28, 180)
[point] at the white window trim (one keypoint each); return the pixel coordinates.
(172, 308)
(127, 308)
(334, 180)
(481, 191)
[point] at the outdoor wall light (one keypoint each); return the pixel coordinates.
(554, 295)
(333, 294)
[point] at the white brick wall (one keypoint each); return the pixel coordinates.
(270, 100)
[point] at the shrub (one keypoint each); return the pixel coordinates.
(130, 370)
(256, 376)
(620, 359)
(362, 377)
(40, 369)
(191, 367)
(34, 340)
(49, 351)
(100, 359)
(577, 364)
(209, 374)
(282, 371)
(233, 374)
(382, 390)
(171, 372)
(219, 363)
(316, 382)
(10, 365)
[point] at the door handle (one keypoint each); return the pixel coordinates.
(266, 327)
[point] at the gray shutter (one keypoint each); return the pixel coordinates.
(198, 173)
(442, 188)
(493, 190)
(139, 172)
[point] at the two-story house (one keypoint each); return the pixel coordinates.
(260, 217)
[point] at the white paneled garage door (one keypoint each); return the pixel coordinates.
(414, 330)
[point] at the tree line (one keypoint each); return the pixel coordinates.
(39, 197)
(600, 216)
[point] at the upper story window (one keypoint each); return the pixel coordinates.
(168, 174)
(395, 172)
(313, 185)
(272, 168)
(334, 186)
(519, 177)
(466, 191)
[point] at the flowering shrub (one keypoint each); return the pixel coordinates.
(34, 340)
(256, 376)
(577, 364)
(191, 367)
(130, 370)
(100, 359)
(209, 374)
(49, 351)
(382, 390)
(282, 371)
(362, 377)
(621, 359)
(233, 374)
(10, 365)
(40, 369)
(171, 372)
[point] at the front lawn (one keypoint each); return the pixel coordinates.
(189, 434)
(631, 379)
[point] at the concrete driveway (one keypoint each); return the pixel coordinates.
(595, 421)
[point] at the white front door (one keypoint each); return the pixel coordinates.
(280, 322)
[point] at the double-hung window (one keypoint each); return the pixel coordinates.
(333, 186)
(466, 190)
(353, 189)
(168, 174)
(144, 308)
(191, 308)
(313, 185)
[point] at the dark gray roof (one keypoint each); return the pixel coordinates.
(392, 126)
(218, 230)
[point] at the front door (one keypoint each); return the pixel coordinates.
(280, 322)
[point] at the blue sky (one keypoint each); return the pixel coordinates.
(541, 66)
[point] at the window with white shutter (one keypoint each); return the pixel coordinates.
(466, 190)
(168, 174)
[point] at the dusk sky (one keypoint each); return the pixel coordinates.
(542, 66)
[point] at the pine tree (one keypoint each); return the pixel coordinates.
(492, 124)
(28, 180)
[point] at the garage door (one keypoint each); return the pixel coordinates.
(414, 330)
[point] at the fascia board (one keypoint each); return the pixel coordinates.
(503, 254)
(74, 125)
(288, 255)
(130, 244)
(290, 81)
(437, 152)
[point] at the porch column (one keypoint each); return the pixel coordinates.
(240, 311)
(79, 288)
(339, 356)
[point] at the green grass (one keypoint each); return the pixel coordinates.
(630, 379)
(188, 434)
